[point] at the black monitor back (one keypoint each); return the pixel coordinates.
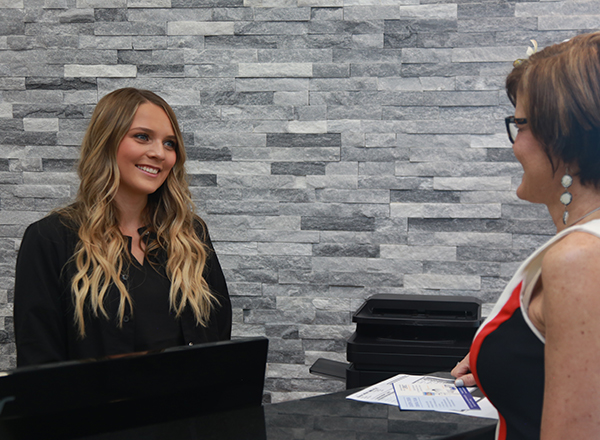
(132, 390)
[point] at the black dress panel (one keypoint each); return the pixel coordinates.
(507, 353)
(44, 313)
(510, 368)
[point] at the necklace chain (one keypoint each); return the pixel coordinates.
(584, 216)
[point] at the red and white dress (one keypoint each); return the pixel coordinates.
(507, 354)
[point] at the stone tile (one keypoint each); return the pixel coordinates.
(568, 22)
(199, 28)
(508, 196)
(298, 168)
(275, 70)
(110, 14)
(270, 28)
(367, 55)
(443, 11)
(336, 223)
(326, 13)
(495, 24)
(443, 169)
(289, 140)
(453, 39)
(489, 9)
(27, 138)
(40, 124)
(418, 25)
(545, 9)
(272, 84)
(481, 54)
(206, 3)
(8, 4)
(24, 164)
(346, 250)
(467, 253)
(360, 13)
(425, 210)
(149, 3)
(441, 69)
(485, 269)
(497, 240)
(41, 191)
(78, 70)
(320, 3)
(434, 281)
(101, 4)
(423, 196)
(367, 40)
(472, 183)
(352, 196)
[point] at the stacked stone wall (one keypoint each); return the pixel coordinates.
(337, 148)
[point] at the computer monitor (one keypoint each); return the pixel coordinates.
(134, 389)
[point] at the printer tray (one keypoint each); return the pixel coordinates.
(381, 353)
(358, 345)
(412, 337)
(382, 362)
(419, 310)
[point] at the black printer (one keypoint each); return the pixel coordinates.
(412, 334)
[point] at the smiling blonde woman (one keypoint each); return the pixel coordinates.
(128, 266)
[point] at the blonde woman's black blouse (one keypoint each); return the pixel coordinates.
(44, 313)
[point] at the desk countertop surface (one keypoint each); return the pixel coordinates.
(326, 417)
(334, 416)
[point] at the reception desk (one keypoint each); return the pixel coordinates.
(201, 392)
(329, 416)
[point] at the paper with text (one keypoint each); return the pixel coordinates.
(383, 392)
(433, 396)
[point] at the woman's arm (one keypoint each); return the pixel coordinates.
(39, 318)
(222, 314)
(571, 313)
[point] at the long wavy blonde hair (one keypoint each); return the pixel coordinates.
(100, 255)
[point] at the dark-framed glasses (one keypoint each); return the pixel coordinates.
(512, 126)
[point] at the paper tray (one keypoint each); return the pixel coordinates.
(419, 310)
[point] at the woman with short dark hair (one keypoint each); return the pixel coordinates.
(537, 356)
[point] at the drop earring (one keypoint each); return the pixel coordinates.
(566, 198)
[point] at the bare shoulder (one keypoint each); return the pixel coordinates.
(575, 252)
(571, 274)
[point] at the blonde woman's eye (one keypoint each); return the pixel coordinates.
(142, 136)
(170, 145)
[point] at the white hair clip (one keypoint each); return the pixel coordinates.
(532, 50)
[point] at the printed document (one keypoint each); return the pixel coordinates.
(427, 393)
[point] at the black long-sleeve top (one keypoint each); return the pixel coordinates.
(44, 312)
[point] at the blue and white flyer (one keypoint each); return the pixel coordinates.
(433, 396)
(446, 393)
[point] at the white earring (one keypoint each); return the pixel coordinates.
(566, 198)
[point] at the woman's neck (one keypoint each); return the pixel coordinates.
(130, 213)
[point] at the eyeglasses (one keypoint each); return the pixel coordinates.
(512, 126)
